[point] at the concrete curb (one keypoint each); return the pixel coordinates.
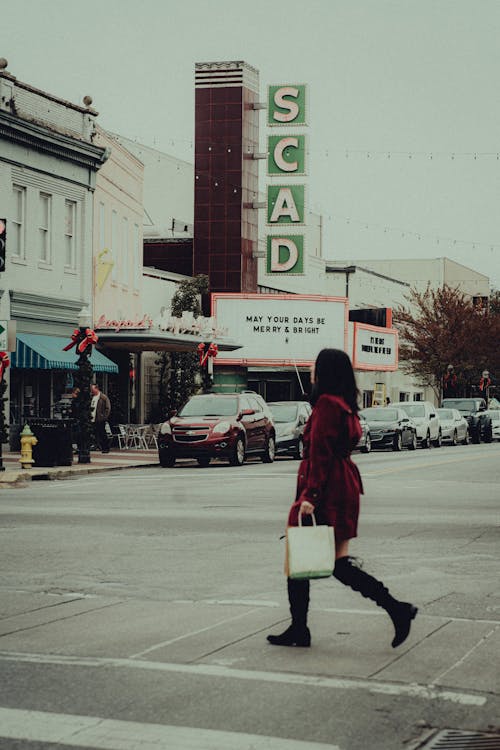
(13, 479)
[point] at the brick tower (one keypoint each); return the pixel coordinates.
(226, 175)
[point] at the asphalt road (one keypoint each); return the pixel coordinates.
(135, 605)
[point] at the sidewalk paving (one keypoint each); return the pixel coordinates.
(15, 476)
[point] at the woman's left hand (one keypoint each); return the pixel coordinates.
(306, 508)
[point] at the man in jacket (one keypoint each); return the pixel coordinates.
(100, 409)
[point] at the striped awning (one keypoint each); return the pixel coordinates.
(39, 352)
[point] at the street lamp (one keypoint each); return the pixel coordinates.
(83, 381)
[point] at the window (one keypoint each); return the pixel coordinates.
(125, 252)
(44, 228)
(18, 222)
(418, 396)
(114, 244)
(70, 234)
(404, 396)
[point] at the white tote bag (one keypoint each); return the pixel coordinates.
(310, 550)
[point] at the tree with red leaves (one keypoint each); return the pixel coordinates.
(444, 326)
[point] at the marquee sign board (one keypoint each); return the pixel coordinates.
(375, 348)
(280, 329)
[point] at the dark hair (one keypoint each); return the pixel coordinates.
(333, 374)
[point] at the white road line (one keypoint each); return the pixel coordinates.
(110, 734)
(413, 690)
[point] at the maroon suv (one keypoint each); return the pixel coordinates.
(219, 425)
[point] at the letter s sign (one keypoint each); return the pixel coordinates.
(286, 105)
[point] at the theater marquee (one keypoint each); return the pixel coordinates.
(280, 329)
(375, 348)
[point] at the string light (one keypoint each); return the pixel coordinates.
(438, 239)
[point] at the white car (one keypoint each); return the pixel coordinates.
(495, 423)
(454, 426)
(426, 420)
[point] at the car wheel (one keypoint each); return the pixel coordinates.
(166, 460)
(426, 442)
(237, 457)
(368, 444)
(438, 441)
(465, 441)
(454, 438)
(268, 455)
(299, 450)
(412, 445)
(398, 443)
(203, 461)
(488, 434)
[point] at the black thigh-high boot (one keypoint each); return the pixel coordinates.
(348, 572)
(297, 634)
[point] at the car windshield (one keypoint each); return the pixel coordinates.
(380, 415)
(414, 410)
(445, 413)
(210, 406)
(464, 405)
(284, 412)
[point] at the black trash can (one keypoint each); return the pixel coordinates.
(55, 441)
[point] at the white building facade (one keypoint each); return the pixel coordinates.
(48, 166)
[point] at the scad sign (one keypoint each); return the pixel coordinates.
(286, 160)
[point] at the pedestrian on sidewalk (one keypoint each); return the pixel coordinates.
(100, 409)
(329, 485)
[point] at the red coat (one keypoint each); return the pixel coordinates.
(327, 477)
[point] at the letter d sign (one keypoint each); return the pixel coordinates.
(285, 254)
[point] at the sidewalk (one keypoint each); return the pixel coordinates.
(15, 476)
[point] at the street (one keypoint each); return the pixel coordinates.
(135, 607)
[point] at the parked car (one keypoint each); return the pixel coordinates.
(495, 423)
(454, 427)
(424, 415)
(218, 425)
(289, 419)
(390, 427)
(474, 411)
(365, 441)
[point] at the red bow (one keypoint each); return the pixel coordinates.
(82, 339)
(75, 337)
(90, 339)
(4, 363)
(201, 353)
(211, 352)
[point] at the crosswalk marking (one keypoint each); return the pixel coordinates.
(110, 734)
(422, 692)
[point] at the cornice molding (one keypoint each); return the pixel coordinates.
(41, 307)
(47, 141)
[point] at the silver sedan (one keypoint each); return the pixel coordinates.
(454, 427)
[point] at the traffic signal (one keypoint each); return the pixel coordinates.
(3, 238)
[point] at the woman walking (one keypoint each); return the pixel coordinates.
(329, 485)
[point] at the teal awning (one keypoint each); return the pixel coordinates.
(39, 352)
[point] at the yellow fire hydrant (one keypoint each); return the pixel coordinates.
(28, 440)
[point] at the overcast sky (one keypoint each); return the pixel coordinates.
(404, 102)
